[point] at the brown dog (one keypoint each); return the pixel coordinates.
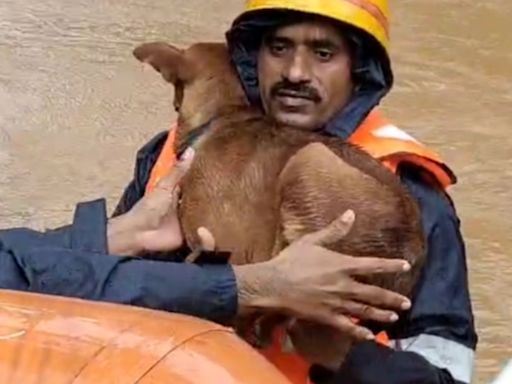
(258, 186)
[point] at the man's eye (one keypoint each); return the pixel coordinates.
(277, 48)
(324, 54)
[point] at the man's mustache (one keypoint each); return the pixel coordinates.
(300, 90)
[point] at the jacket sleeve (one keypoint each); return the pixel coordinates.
(72, 261)
(434, 342)
(146, 158)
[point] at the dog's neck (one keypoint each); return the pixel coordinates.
(220, 98)
(196, 135)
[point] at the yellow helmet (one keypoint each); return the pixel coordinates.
(369, 15)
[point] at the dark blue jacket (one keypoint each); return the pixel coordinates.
(72, 261)
(435, 341)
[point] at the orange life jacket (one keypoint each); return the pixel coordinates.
(380, 139)
(376, 135)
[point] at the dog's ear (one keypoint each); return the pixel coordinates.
(166, 59)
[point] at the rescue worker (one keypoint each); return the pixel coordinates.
(324, 65)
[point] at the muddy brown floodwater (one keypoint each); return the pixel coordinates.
(75, 106)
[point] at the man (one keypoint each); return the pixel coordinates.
(324, 65)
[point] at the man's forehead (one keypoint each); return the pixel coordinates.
(310, 30)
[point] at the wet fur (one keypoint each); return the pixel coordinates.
(258, 186)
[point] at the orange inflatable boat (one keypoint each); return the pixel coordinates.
(55, 340)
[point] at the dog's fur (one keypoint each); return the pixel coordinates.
(258, 186)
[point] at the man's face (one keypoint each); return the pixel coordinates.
(304, 72)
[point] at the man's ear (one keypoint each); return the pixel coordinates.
(166, 59)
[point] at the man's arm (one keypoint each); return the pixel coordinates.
(435, 341)
(72, 261)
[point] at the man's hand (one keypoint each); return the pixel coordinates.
(311, 282)
(152, 224)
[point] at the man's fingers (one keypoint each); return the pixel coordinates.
(347, 326)
(206, 244)
(176, 198)
(367, 312)
(171, 180)
(206, 239)
(373, 265)
(335, 231)
(379, 297)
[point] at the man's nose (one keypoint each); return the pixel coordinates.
(297, 69)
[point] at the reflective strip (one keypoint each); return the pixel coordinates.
(373, 10)
(443, 353)
(392, 132)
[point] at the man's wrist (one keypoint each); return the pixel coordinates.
(123, 237)
(255, 288)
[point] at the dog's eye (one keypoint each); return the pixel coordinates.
(178, 96)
